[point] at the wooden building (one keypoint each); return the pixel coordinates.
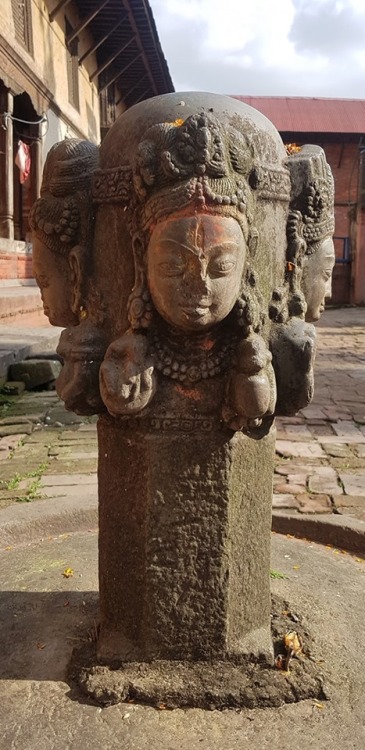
(68, 68)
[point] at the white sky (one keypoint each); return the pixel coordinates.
(265, 47)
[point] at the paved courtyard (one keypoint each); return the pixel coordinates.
(47, 454)
(320, 466)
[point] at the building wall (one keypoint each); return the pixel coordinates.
(343, 159)
(343, 155)
(48, 64)
(41, 72)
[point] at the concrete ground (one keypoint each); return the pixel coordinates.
(48, 519)
(43, 615)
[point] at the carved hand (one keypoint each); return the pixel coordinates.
(293, 350)
(127, 379)
(251, 391)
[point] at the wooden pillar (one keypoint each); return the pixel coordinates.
(36, 163)
(6, 168)
(358, 296)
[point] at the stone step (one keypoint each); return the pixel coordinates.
(17, 301)
(18, 342)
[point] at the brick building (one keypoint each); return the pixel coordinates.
(67, 69)
(338, 125)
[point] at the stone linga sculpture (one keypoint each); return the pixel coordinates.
(197, 310)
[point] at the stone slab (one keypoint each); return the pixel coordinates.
(36, 372)
(290, 449)
(314, 504)
(13, 429)
(354, 484)
(343, 532)
(345, 428)
(292, 489)
(22, 524)
(284, 500)
(324, 479)
(68, 480)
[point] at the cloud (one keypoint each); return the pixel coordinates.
(328, 27)
(281, 48)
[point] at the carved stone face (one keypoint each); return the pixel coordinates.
(194, 269)
(53, 275)
(316, 280)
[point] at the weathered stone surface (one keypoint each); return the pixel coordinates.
(14, 429)
(354, 484)
(13, 387)
(65, 480)
(335, 450)
(293, 489)
(345, 429)
(324, 479)
(36, 372)
(350, 501)
(282, 499)
(35, 679)
(165, 548)
(187, 333)
(314, 503)
(290, 449)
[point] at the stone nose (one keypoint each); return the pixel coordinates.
(199, 283)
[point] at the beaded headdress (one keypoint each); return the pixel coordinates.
(56, 215)
(312, 194)
(196, 161)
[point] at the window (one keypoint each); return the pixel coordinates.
(107, 104)
(23, 23)
(72, 68)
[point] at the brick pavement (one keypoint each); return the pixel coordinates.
(45, 452)
(320, 462)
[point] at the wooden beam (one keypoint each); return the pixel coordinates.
(101, 41)
(130, 91)
(140, 44)
(120, 73)
(143, 95)
(85, 21)
(110, 59)
(59, 6)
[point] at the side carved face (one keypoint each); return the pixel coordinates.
(316, 279)
(194, 269)
(54, 277)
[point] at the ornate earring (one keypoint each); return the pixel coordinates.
(140, 307)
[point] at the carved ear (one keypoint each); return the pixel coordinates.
(76, 262)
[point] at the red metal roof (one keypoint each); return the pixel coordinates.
(296, 114)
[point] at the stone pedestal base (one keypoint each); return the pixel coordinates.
(184, 543)
(211, 685)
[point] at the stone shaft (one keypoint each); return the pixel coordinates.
(184, 544)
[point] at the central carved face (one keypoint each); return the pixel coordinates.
(194, 269)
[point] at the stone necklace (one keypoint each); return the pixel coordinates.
(189, 366)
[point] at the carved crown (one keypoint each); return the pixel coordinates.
(196, 160)
(58, 216)
(312, 192)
